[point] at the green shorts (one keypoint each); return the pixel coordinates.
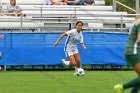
(132, 59)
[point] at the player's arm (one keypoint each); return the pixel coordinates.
(83, 45)
(82, 42)
(1, 36)
(61, 36)
(138, 36)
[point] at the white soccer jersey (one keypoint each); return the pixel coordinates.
(73, 38)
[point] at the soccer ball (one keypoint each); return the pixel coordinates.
(80, 72)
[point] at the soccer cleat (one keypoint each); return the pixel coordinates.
(63, 62)
(118, 88)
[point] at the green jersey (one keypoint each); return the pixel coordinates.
(132, 45)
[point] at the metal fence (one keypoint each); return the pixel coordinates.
(49, 22)
(42, 18)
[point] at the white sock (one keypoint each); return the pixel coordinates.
(75, 68)
(67, 63)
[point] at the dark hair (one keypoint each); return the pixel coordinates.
(79, 22)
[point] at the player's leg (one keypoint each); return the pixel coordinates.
(71, 58)
(135, 89)
(71, 61)
(135, 83)
(137, 68)
(77, 59)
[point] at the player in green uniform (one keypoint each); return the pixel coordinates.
(132, 56)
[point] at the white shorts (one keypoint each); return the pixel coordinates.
(71, 51)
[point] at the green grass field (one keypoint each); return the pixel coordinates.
(62, 81)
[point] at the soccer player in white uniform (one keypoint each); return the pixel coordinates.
(71, 51)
